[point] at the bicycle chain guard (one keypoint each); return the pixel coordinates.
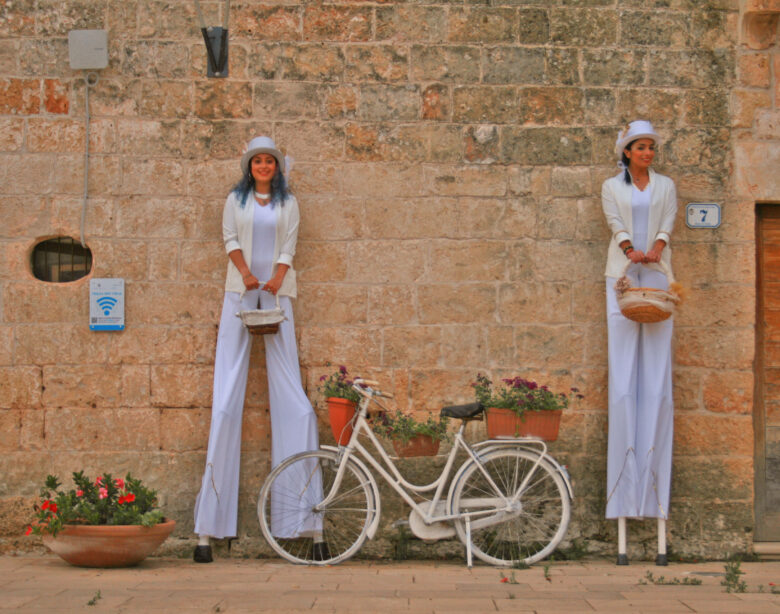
(431, 532)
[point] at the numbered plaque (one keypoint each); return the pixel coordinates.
(702, 215)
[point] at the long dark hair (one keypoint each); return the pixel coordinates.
(246, 186)
(624, 159)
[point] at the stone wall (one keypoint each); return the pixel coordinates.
(449, 157)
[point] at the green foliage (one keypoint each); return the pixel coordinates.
(662, 581)
(106, 501)
(402, 427)
(338, 385)
(95, 599)
(732, 582)
(519, 394)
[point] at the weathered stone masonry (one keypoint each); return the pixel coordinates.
(449, 157)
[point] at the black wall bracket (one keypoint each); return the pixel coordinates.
(216, 40)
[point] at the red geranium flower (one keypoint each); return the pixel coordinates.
(79, 493)
(130, 497)
(120, 483)
(29, 530)
(45, 505)
(99, 480)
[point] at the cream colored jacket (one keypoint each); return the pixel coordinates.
(616, 202)
(237, 234)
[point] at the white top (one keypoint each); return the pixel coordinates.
(640, 214)
(263, 239)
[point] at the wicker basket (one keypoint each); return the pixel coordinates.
(263, 321)
(646, 305)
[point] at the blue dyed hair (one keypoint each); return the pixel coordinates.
(246, 186)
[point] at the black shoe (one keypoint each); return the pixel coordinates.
(622, 559)
(320, 552)
(661, 560)
(202, 554)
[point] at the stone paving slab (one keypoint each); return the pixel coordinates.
(32, 584)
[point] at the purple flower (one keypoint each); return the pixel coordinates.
(323, 378)
(343, 370)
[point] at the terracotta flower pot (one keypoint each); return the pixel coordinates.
(341, 412)
(505, 422)
(419, 445)
(107, 545)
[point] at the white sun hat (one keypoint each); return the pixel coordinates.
(639, 129)
(258, 145)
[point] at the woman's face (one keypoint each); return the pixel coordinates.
(263, 167)
(641, 154)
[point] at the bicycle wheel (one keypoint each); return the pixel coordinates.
(289, 521)
(524, 531)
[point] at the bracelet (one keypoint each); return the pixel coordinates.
(628, 248)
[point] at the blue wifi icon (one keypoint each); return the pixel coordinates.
(106, 303)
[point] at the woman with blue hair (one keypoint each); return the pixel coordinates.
(260, 230)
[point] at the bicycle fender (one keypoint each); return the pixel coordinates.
(374, 524)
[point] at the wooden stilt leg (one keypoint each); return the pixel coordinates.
(622, 558)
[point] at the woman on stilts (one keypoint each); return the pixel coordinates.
(640, 207)
(260, 229)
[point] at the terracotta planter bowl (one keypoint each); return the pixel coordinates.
(107, 545)
(419, 445)
(340, 412)
(506, 423)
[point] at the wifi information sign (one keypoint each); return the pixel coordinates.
(107, 304)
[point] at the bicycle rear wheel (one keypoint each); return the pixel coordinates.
(298, 532)
(505, 534)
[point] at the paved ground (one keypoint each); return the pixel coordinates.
(46, 584)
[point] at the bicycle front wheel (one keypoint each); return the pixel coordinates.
(524, 520)
(302, 533)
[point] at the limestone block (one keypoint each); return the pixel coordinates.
(202, 260)
(9, 56)
(285, 100)
(687, 382)
(180, 303)
(533, 25)
(154, 59)
(148, 137)
(431, 389)
(6, 345)
(599, 106)
(321, 261)
(19, 18)
(391, 305)
(586, 27)
(168, 99)
(411, 346)
(142, 344)
(500, 349)
(466, 180)
(312, 141)
(32, 435)
(10, 429)
(400, 262)
(135, 386)
(707, 107)
(161, 19)
(271, 22)
(549, 106)
(332, 304)
(754, 69)
(529, 180)
(509, 65)
(596, 349)
(43, 56)
(105, 175)
(382, 63)
(457, 303)
(12, 134)
(331, 219)
(756, 165)
(481, 144)
(768, 124)
(607, 67)
(714, 478)
(15, 260)
(662, 105)
(20, 96)
(181, 385)
(717, 305)
(103, 429)
(27, 174)
(154, 177)
(728, 392)
(112, 97)
(401, 23)
(536, 146)
(125, 259)
(55, 135)
(36, 301)
(699, 68)
(540, 302)
(220, 99)
(656, 28)
(337, 23)
(488, 218)
(81, 386)
(256, 430)
(65, 215)
(467, 261)
(522, 266)
(257, 379)
(464, 346)
(446, 63)
(720, 348)
(746, 105)
(483, 25)
(318, 62)
(551, 346)
(184, 429)
(776, 73)
(311, 181)
(339, 101)
(362, 180)
(386, 142)
(339, 345)
(58, 343)
(557, 219)
(589, 302)
(411, 219)
(494, 104)
(56, 19)
(214, 179)
(389, 102)
(164, 262)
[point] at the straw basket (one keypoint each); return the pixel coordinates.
(263, 321)
(646, 305)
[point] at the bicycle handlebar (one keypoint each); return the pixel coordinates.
(359, 381)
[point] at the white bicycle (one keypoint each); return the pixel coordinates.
(509, 502)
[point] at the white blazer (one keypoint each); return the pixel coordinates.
(616, 202)
(237, 234)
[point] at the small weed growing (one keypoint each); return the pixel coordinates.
(732, 582)
(663, 581)
(509, 579)
(546, 569)
(96, 597)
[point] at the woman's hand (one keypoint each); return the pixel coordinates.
(653, 255)
(636, 256)
(250, 281)
(273, 284)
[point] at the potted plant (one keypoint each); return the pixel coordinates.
(342, 401)
(412, 437)
(518, 407)
(111, 522)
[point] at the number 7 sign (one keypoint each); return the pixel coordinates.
(702, 215)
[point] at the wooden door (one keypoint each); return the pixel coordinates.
(767, 399)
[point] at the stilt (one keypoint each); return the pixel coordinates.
(622, 558)
(661, 558)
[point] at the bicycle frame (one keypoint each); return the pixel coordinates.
(398, 483)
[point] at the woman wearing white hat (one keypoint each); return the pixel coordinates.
(640, 207)
(260, 230)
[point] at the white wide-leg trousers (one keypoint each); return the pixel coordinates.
(293, 421)
(641, 409)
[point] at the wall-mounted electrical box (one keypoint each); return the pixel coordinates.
(88, 49)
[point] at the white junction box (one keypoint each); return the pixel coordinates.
(107, 304)
(88, 49)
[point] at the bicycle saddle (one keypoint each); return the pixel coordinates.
(469, 411)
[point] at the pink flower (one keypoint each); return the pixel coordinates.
(79, 493)
(120, 483)
(103, 492)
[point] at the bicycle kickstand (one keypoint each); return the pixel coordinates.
(468, 542)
